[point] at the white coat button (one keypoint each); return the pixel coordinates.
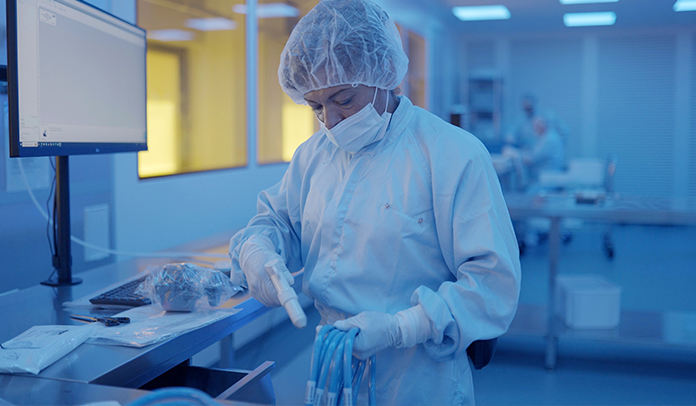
(386, 206)
(420, 221)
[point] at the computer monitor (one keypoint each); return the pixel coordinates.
(76, 82)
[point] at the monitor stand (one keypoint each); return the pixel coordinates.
(62, 261)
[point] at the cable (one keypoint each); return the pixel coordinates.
(333, 362)
(51, 236)
(348, 370)
(162, 254)
(358, 379)
(372, 390)
(336, 372)
(314, 366)
(333, 338)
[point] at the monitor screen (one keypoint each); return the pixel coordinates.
(76, 80)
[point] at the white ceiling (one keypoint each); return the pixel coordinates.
(547, 15)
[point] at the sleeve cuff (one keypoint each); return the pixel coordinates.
(414, 325)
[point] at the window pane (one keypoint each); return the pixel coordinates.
(417, 70)
(415, 83)
(283, 125)
(196, 86)
(164, 115)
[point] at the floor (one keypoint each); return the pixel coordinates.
(655, 268)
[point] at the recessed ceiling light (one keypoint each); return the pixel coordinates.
(211, 24)
(478, 13)
(589, 19)
(269, 10)
(685, 5)
(170, 35)
(587, 1)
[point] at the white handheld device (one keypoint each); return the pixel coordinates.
(282, 279)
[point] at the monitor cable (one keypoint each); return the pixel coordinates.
(52, 222)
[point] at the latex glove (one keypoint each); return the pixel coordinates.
(256, 251)
(379, 331)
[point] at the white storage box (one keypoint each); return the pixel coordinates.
(588, 301)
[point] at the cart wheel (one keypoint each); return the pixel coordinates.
(608, 246)
(609, 252)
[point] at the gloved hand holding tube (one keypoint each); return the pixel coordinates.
(282, 279)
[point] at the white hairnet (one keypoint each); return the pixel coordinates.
(342, 42)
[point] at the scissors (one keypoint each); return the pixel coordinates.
(108, 321)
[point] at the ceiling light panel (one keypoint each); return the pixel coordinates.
(269, 10)
(170, 35)
(685, 5)
(480, 13)
(587, 1)
(589, 19)
(211, 24)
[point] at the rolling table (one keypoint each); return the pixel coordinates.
(615, 209)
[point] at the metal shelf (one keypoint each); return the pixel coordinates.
(662, 329)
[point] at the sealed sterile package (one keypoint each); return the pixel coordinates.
(41, 346)
(184, 287)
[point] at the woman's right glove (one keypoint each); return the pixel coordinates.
(256, 251)
(379, 331)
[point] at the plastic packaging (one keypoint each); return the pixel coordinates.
(184, 287)
(41, 346)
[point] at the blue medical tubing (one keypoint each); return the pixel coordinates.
(357, 380)
(328, 348)
(372, 390)
(325, 347)
(326, 362)
(348, 366)
(319, 349)
(316, 363)
(333, 357)
(336, 372)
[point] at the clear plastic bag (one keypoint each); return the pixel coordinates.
(185, 287)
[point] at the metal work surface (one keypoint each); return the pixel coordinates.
(619, 209)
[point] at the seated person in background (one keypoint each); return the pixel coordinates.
(547, 153)
(522, 134)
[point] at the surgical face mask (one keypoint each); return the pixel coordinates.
(359, 130)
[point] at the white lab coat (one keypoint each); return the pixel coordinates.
(416, 217)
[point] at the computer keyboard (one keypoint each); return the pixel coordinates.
(122, 295)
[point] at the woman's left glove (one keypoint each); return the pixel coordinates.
(379, 331)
